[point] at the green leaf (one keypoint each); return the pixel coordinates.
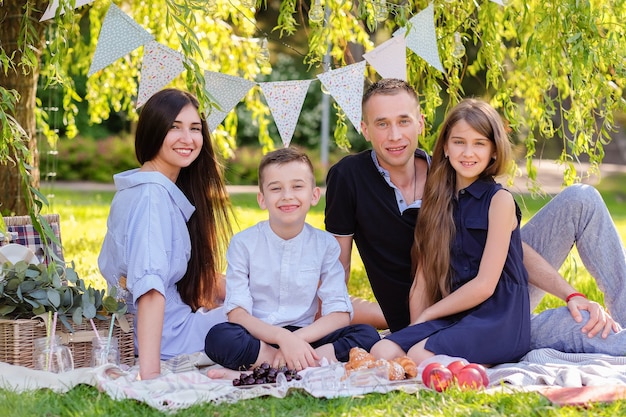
(6, 310)
(89, 311)
(71, 275)
(27, 286)
(54, 297)
(110, 304)
(77, 316)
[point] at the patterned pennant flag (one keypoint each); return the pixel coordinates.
(345, 85)
(228, 90)
(285, 99)
(389, 58)
(421, 37)
(160, 66)
(54, 5)
(119, 35)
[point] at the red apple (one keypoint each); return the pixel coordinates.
(483, 372)
(426, 372)
(440, 378)
(456, 366)
(469, 378)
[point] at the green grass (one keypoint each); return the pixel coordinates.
(83, 224)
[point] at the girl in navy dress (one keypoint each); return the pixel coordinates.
(469, 297)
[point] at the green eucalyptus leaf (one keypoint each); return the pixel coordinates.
(77, 316)
(66, 297)
(21, 267)
(110, 304)
(89, 311)
(13, 284)
(66, 323)
(56, 281)
(39, 293)
(33, 303)
(71, 275)
(32, 273)
(27, 286)
(6, 310)
(39, 310)
(54, 297)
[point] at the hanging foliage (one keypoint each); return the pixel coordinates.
(555, 70)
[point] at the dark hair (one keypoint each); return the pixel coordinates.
(390, 87)
(203, 184)
(280, 157)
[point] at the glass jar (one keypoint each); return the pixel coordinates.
(52, 356)
(103, 351)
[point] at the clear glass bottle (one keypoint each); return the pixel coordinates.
(52, 356)
(103, 352)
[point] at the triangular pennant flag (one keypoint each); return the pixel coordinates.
(285, 99)
(160, 66)
(119, 35)
(500, 2)
(346, 86)
(53, 5)
(422, 38)
(389, 58)
(228, 90)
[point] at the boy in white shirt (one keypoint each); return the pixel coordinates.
(280, 272)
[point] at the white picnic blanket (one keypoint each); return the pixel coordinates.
(184, 384)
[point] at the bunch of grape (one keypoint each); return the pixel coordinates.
(265, 374)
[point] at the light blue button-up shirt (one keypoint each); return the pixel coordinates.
(402, 204)
(147, 241)
(279, 281)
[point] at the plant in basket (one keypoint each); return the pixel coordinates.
(28, 290)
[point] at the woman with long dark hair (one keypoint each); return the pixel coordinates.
(168, 230)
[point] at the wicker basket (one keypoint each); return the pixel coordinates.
(17, 336)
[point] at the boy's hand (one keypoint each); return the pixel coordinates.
(295, 353)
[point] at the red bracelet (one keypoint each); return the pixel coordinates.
(574, 294)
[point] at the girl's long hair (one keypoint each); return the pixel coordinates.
(203, 184)
(435, 228)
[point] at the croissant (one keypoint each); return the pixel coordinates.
(357, 354)
(395, 371)
(410, 369)
(359, 364)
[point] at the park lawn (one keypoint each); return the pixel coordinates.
(83, 224)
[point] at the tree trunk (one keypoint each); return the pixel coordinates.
(24, 81)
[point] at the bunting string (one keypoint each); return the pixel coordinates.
(120, 35)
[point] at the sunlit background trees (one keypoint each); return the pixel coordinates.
(555, 71)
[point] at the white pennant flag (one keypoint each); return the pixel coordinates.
(500, 2)
(54, 5)
(228, 90)
(285, 99)
(422, 38)
(389, 58)
(160, 65)
(119, 35)
(346, 86)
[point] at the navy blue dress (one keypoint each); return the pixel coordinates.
(498, 329)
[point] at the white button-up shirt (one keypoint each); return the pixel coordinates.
(279, 281)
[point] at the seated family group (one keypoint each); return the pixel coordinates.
(462, 273)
